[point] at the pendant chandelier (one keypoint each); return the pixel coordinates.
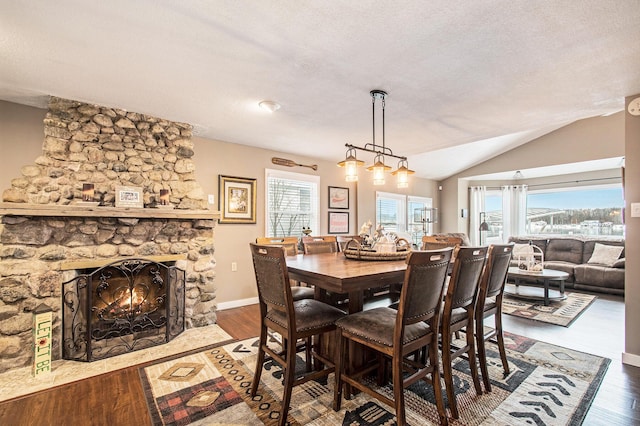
(379, 168)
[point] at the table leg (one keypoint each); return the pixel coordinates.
(546, 292)
(562, 288)
(356, 301)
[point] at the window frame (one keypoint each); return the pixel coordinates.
(314, 216)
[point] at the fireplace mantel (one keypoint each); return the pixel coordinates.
(77, 210)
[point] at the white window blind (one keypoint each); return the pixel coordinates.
(292, 203)
(391, 211)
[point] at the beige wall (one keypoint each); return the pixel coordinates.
(21, 136)
(590, 139)
(632, 245)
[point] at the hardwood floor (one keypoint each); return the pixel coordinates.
(117, 398)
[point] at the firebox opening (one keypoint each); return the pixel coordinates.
(122, 307)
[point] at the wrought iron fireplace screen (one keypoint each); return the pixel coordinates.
(122, 307)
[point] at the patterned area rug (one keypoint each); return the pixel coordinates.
(548, 385)
(563, 312)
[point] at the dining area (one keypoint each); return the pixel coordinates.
(426, 320)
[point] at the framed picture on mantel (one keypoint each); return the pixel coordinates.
(129, 196)
(237, 198)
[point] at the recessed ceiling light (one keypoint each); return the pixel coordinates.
(269, 106)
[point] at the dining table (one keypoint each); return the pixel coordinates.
(333, 272)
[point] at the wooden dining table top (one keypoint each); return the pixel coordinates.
(335, 273)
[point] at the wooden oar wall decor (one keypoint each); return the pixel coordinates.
(291, 163)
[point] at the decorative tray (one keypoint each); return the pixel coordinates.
(354, 250)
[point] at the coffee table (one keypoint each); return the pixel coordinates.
(522, 277)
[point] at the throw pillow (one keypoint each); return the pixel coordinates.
(605, 255)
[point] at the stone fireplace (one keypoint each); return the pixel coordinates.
(48, 237)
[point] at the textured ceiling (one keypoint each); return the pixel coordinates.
(466, 80)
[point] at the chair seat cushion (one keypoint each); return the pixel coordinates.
(458, 314)
(299, 293)
(377, 325)
(311, 314)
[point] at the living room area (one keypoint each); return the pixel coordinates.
(158, 118)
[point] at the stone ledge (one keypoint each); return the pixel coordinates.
(54, 210)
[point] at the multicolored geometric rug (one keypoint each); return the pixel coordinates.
(563, 312)
(547, 385)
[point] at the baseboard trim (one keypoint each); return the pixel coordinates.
(237, 303)
(631, 359)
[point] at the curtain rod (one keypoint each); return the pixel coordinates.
(559, 183)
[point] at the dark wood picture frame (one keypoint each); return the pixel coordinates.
(237, 199)
(338, 222)
(338, 197)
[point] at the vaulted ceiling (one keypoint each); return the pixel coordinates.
(466, 80)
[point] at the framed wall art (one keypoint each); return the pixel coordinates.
(338, 197)
(338, 222)
(129, 196)
(237, 199)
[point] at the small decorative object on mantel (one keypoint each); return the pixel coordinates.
(88, 192)
(290, 163)
(129, 196)
(163, 200)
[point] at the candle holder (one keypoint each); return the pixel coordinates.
(87, 192)
(164, 197)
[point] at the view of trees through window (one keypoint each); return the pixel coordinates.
(573, 211)
(577, 211)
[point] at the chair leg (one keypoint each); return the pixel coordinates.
(482, 354)
(435, 382)
(289, 377)
(473, 365)
(500, 340)
(259, 361)
(447, 369)
(339, 365)
(398, 389)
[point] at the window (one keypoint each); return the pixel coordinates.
(402, 215)
(577, 211)
(391, 211)
(292, 202)
(493, 217)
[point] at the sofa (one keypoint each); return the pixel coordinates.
(593, 263)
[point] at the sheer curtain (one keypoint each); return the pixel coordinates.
(514, 211)
(476, 205)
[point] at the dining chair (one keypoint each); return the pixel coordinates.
(293, 320)
(315, 245)
(489, 303)
(290, 244)
(459, 313)
(431, 242)
(343, 240)
(397, 334)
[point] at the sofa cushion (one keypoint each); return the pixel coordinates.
(605, 254)
(564, 250)
(567, 267)
(619, 263)
(599, 276)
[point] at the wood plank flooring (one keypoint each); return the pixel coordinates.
(117, 399)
